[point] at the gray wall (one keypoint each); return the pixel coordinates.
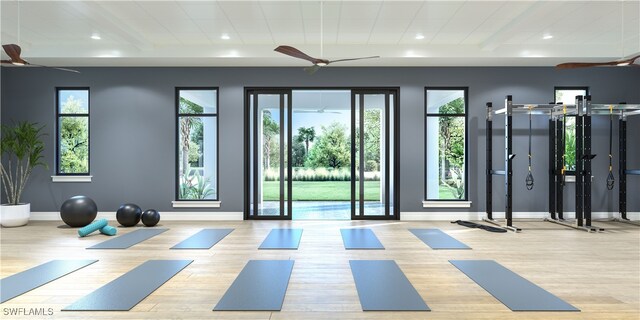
(132, 127)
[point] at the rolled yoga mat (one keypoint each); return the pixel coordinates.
(282, 239)
(25, 281)
(436, 239)
(92, 227)
(360, 238)
(382, 286)
(260, 286)
(205, 239)
(129, 289)
(127, 240)
(514, 291)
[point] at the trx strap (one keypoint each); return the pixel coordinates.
(529, 179)
(564, 142)
(470, 224)
(610, 179)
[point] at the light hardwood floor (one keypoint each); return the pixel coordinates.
(598, 273)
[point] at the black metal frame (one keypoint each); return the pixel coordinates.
(360, 93)
(466, 136)
(508, 167)
(395, 91)
(60, 115)
(178, 115)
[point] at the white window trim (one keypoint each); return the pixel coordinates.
(71, 178)
(196, 204)
(446, 204)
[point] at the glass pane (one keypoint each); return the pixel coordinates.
(269, 155)
(391, 153)
(198, 161)
(445, 158)
(73, 101)
(568, 96)
(74, 145)
(373, 154)
(252, 209)
(445, 101)
(198, 101)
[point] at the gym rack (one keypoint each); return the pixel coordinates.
(621, 110)
(508, 111)
(582, 111)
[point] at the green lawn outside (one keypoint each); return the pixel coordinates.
(321, 190)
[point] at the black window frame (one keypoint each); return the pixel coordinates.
(555, 89)
(177, 138)
(60, 115)
(428, 115)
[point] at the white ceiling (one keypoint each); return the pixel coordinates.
(188, 33)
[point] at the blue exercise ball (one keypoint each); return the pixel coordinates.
(78, 211)
(128, 215)
(150, 217)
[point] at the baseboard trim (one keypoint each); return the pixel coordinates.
(165, 215)
(451, 216)
(405, 216)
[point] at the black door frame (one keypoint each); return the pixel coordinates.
(395, 91)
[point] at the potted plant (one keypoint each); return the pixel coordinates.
(21, 149)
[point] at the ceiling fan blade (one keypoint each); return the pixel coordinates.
(13, 51)
(573, 65)
(313, 69)
(293, 52)
(305, 111)
(5, 61)
(57, 68)
(351, 59)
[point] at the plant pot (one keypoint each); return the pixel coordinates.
(15, 215)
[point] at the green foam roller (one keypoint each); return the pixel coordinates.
(93, 226)
(109, 230)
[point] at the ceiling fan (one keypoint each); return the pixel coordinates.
(317, 62)
(14, 50)
(321, 110)
(620, 63)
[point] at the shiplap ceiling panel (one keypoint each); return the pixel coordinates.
(471, 31)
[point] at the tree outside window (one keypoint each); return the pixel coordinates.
(73, 131)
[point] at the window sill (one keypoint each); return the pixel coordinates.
(71, 178)
(446, 204)
(196, 204)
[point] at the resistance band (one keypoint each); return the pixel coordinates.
(529, 179)
(610, 179)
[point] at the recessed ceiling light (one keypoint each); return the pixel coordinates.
(547, 37)
(419, 36)
(225, 36)
(95, 36)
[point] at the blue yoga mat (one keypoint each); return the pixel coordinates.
(25, 281)
(129, 239)
(436, 239)
(360, 238)
(260, 286)
(204, 239)
(282, 239)
(382, 286)
(514, 291)
(128, 290)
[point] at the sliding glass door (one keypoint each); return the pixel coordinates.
(320, 154)
(373, 150)
(269, 136)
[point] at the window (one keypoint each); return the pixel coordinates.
(567, 95)
(197, 144)
(72, 131)
(446, 149)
